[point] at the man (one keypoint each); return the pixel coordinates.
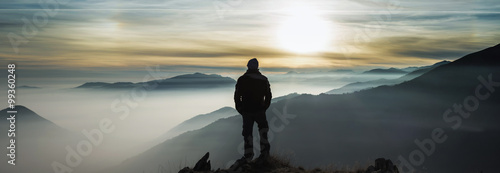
(252, 98)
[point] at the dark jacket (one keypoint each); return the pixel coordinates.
(253, 92)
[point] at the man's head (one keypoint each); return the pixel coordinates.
(253, 64)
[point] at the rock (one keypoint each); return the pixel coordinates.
(382, 166)
(276, 164)
(203, 164)
(370, 169)
(238, 165)
(186, 170)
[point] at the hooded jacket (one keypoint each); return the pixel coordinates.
(253, 92)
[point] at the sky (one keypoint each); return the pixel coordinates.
(70, 42)
(77, 37)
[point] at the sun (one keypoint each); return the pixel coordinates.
(304, 31)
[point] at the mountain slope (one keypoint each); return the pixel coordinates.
(381, 122)
(202, 120)
(38, 141)
(198, 122)
(357, 86)
(285, 97)
(412, 69)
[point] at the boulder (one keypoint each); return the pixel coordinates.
(382, 166)
(203, 165)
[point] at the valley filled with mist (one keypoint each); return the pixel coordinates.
(319, 118)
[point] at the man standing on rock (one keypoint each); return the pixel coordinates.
(252, 98)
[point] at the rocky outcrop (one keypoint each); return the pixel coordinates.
(382, 166)
(274, 164)
(203, 165)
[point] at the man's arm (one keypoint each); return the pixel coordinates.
(269, 96)
(237, 96)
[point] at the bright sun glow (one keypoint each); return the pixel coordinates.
(304, 31)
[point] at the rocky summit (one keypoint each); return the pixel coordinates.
(274, 164)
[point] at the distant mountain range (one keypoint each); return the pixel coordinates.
(385, 121)
(411, 69)
(385, 71)
(403, 70)
(285, 97)
(357, 86)
(338, 71)
(376, 71)
(28, 87)
(346, 82)
(342, 71)
(187, 81)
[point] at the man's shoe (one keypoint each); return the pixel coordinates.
(263, 158)
(263, 155)
(240, 162)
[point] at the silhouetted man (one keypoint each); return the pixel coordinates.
(252, 98)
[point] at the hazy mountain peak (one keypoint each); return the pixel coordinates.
(39, 140)
(185, 81)
(442, 62)
(28, 87)
(342, 71)
(223, 109)
(19, 108)
(93, 85)
(27, 114)
(391, 70)
(198, 75)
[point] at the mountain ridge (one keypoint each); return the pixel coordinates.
(35, 141)
(195, 80)
(198, 121)
(391, 70)
(357, 86)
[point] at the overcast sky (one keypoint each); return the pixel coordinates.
(198, 35)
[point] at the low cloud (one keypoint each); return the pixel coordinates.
(430, 48)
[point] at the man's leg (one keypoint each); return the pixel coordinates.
(261, 120)
(247, 135)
